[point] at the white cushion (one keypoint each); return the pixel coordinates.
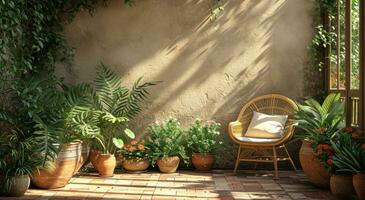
(266, 126)
(256, 140)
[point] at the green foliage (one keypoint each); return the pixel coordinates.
(320, 122)
(18, 156)
(166, 139)
(203, 138)
(349, 153)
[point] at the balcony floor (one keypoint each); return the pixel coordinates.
(186, 185)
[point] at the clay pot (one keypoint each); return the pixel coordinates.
(135, 165)
(85, 153)
(203, 161)
(106, 164)
(62, 169)
(313, 167)
(93, 158)
(19, 187)
(341, 186)
(359, 185)
(168, 164)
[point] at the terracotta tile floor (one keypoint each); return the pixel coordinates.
(185, 185)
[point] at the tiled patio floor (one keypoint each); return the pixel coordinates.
(185, 185)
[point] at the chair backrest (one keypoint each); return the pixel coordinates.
(271, 104)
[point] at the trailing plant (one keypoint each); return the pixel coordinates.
(166, 139)
(320, 122)
(135, 150)
(204, 138)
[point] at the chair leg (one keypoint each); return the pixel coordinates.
(290, 159)
(238, 159)
(275, 163)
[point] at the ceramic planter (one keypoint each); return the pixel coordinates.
(62, 171)
(341, 186)
(85, 153)
(106, 164)
(19, 187)
(203, 161)
(135, 165)
(168, 164)
(313, 167)
(359, 185)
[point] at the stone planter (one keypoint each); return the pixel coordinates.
(62, 170)
(135, 166)
(341, 186)
(106, 164)
(19, 187)
(359, 185)
(313, 167)
(168, 164)
(203, 161)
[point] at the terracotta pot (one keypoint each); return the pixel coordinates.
(19, 187)
(135, 165)
(313, 167)
(106, 164)
(341, 186)
(203, 161)
(85, 153)
(359, 185)
(62, 170)
(93, 158)
(168, 164)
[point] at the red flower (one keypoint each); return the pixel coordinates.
(120, 157)
(133, 142)
(357, 77)
(132, 148)
(140, 147)
(354, 136)
(330, 153)
(349, 129)
(330, 162)
(325, 147)
(363, 146)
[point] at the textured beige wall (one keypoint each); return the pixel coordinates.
(209, 70)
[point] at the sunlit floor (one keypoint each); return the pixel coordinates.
(185, 185)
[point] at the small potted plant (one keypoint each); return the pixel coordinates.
(202, 141)
(349, 158)
(318, 122)
(341, 180)
(17, 163)
(165, 141)
(134, 157)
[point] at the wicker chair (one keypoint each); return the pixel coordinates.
(262, 149)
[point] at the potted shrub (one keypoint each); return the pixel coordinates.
(202, 141)
(319, 122)
(134, 156)
(349, 158)
(165, 141)
(341, 180)
(17, 163)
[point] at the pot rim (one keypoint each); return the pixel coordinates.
(106, 155)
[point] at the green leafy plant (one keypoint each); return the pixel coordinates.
(204, 138)
(17, 157)
(135, 150)
(320, 122)
(115, 105)
(166, 139)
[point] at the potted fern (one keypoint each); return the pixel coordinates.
(165, 141)
(202, 141)
(349, 158)
(114, 106)
(319, 122)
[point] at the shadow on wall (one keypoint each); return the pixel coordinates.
(209, 69)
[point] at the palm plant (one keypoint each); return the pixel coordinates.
(320, 122)
(115, 105)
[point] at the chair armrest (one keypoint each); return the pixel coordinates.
(235, 128)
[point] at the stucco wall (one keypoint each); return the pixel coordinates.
(209, 69)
